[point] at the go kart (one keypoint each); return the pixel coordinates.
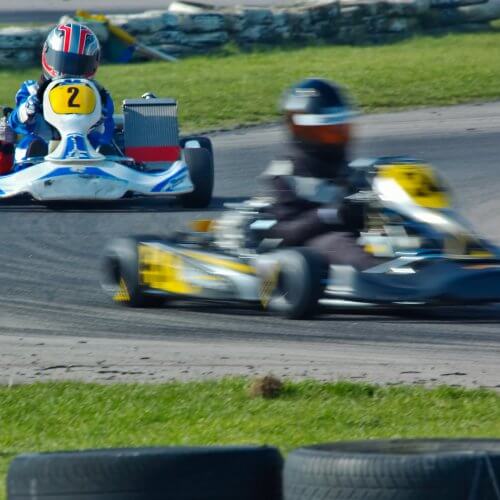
(428, 254)
(146, 159)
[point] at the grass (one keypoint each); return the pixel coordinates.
(73, 415)
(225, 90)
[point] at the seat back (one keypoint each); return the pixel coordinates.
(73, 106)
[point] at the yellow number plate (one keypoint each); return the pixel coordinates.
(69, 99)
(420, 183)
(162, 270)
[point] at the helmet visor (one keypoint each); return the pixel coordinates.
(69, 64)
(325, 135)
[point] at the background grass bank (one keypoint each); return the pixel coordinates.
(72, 416)
(225, 90)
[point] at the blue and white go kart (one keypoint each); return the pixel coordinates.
(147, 158)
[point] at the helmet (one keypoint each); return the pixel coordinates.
(317, 114)
(71, 49)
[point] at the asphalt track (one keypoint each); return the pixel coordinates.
(55, 323)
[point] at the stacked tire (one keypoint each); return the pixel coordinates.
(429, 469)
(175, 473)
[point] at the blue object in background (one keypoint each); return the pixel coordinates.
(117, 51)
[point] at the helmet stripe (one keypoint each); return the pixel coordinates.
(75, 38)
(66, 36)
(84, 33)
(316, 120)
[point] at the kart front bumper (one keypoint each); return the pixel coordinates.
(78, 187)
(51, 181)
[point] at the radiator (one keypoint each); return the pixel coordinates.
(151, 133)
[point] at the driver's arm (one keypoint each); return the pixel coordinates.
(21, 120)
(103, 134)
(298, 220)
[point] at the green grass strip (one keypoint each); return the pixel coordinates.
(59, 416)
(227, 90)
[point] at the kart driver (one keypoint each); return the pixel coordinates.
(70, 50)
(309, 186)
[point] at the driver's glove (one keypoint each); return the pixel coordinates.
(30, 108)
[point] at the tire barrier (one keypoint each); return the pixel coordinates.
(423, 469)
(188, 28)
(420, 469)
(174, 473)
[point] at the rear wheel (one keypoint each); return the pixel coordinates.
(120, 275)
(197, 141)
(292, 282)
(201, 171)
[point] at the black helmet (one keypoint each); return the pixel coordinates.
(318, 114)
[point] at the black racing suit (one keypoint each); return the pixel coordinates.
(309, 190)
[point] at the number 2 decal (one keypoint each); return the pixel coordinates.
(74, 91)
(73, 99)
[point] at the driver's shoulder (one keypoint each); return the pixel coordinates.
(101, 88)
(29, 86)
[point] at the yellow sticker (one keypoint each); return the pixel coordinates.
(202, 225)
(67, 99)
(269, 285)
(481, 254)
(420, 183)
(377, 249)
(122, 295)
(163, 270)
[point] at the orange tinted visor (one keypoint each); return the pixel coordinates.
(338, 134)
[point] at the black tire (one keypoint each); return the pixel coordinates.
(201, 170)
(295, 290)
(120, 274)
(427, 469)
(177, 473)
(204, 142)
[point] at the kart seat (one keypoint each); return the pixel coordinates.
(37, 148)
(108, 150)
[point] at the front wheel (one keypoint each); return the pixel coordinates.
(292, 282)
(120, 275)
(201, 170)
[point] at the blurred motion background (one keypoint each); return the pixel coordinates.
(51, 10)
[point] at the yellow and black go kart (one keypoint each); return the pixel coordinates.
(430, 254)
(149, 271)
